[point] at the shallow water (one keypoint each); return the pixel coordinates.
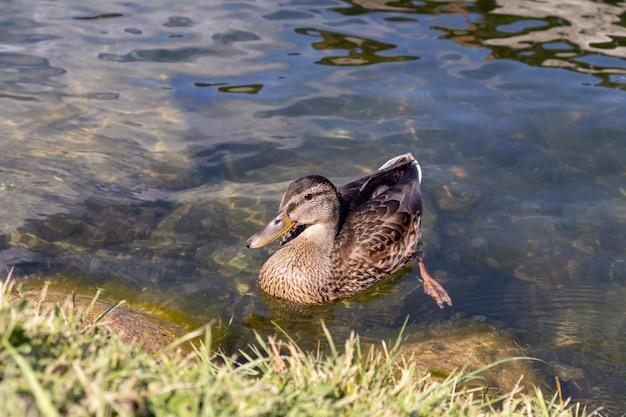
(142, 143)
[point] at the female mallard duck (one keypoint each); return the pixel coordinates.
(339, 242)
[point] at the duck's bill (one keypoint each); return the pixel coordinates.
(275, 228)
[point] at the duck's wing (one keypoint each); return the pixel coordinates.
(395, 170)
(380, 231)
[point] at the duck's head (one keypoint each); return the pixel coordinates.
(308, 201)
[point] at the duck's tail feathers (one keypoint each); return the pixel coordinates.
(401, 160)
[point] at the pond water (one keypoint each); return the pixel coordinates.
(143, 142)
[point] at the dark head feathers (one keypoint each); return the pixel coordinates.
(309, 183)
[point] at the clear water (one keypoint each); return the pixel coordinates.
(141, 143)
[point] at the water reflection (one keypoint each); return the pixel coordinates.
(591, 26)
(578, 35)
(222, 47)
(360, 51)
(349, 106)
(143, 143)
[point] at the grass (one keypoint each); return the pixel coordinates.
(53, 362)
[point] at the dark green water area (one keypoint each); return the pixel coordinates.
(142, 143)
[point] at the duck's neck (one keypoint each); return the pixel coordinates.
(300, 270)
(318, 237)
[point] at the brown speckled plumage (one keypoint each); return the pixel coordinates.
(339, 242)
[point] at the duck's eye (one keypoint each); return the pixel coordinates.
(308, 197)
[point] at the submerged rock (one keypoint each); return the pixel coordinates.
(147, 331)
(443, 348)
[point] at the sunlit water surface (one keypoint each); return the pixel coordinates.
(143, 142)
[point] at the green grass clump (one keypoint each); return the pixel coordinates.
(54, 363)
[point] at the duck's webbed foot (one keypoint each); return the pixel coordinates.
(432, 287)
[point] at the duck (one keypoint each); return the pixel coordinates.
(340, 241)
